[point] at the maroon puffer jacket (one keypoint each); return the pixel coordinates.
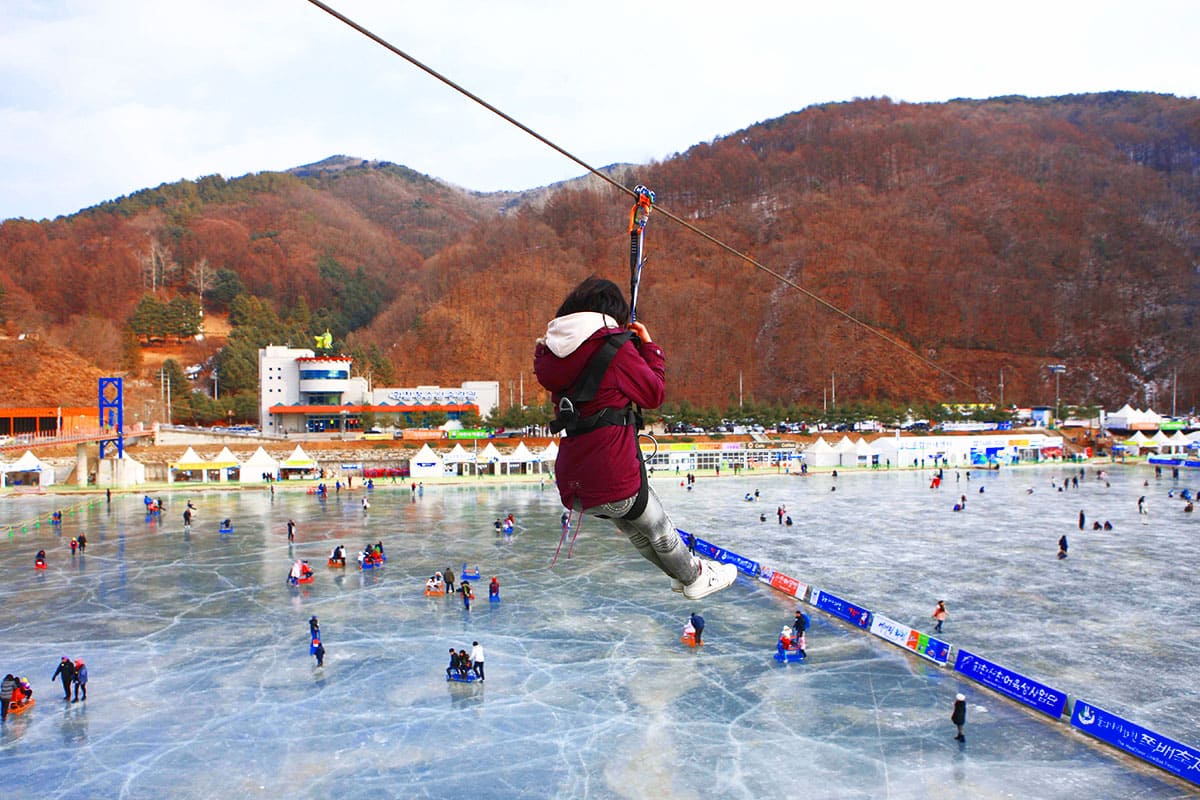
(601, 466)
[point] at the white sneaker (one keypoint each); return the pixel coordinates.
(676, 585)
(713, 577)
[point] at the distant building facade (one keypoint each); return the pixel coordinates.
(299, 391)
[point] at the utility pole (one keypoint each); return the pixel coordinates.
(739, 388)
(1058, 370)
(1174, 389)
(833, 389)
(1002, 388)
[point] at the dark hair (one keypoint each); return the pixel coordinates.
(596, 294)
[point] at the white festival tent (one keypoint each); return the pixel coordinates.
(845, 446)
(28, 470)
(1160, 442)
(866, 453)
(228, 464)
(1178, 442)
(425, 464)
(298, 465)
(1130, 418)
(458, 461)
(520, 456)
(488, 460)
(1138, 442)
(259, 464)
(458, 455)
(550, 454)
(189, 467)
(821, 454)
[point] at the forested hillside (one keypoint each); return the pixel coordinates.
(1004, 234)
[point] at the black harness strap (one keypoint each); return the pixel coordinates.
(585, 388)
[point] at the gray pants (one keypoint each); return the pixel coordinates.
(654, 536)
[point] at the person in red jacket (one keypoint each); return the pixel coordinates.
(599, 471)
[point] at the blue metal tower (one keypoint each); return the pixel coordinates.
(112, 413)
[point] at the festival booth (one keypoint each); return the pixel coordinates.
(425, 464)
(488, 461)
(1178, 443)
(820, 454)
(846, 453)
(190, 468)
(458, 461)
(866, 454)
(521, 458)
(258, 467)
(1135, 444)
(28, 470)
(1160, 442)
(549, 456)
(1132, 419)
(298, 466)
(227, 466)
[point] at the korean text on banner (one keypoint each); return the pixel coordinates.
(710, 550)
(1015, 685)
(903, 636)
(843, 609)
(1147, 745)
(784, 583)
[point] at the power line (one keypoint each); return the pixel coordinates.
(608, 179)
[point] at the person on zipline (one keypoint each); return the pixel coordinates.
(599, 471)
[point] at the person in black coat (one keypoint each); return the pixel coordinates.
(799, 624)
(66, 669)
(448, 577)
(697, 623)
(6, 693)
(959, 716)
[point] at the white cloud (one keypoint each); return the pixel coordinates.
(101, 98)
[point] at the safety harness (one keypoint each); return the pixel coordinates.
(584, 390)
(567, 419)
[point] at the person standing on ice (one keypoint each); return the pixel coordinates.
(81, 678)
(600, 472)
(6, 693)
(66, 670)
(959, 716)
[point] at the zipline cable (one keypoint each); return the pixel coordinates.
(384, 43)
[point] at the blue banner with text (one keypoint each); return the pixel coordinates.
(1014, 684)
(843, 609)
(1147, 745)
(710, 550)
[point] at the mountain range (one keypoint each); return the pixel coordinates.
(988, 237)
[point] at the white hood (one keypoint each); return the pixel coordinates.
(565, 334)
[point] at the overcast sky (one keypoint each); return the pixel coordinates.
(100, 98)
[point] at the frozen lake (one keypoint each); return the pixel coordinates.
(201, 684)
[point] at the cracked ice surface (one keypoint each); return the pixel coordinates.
(202, 686)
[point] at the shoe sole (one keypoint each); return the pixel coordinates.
(711, 589)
